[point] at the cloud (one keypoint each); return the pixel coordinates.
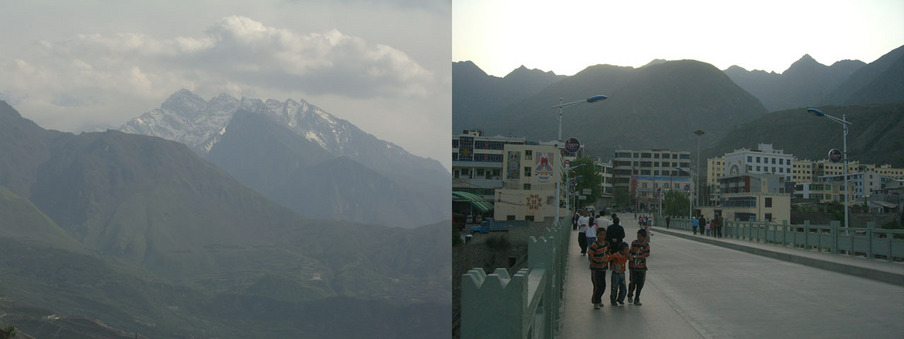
(86, 82)
(234, 50)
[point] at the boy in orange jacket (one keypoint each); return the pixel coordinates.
(618, 262)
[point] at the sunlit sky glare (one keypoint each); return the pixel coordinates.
(567, 36)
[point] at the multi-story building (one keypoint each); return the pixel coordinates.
(753, 197)
(647, 174)
(762, 160)
(477, 162)
(861, 184)
(801, 170)
(528, 189)
(715, 170)
(607, 192)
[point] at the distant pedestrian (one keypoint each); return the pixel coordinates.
(574, 221)
(582, 227)
(590, 232)
(668, 221)
(597, 255)
(640, 250)
(615, 234)
(615, 219)
(702, 223)
(717, 226)
(694, 224)
(708, 228)
(617, 263)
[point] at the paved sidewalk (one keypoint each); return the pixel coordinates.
(879, 270)
(701, 287)
(656, 318)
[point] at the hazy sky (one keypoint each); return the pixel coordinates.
(88, 65)
(567, 36)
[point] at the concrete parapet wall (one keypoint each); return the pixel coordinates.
(524, 305)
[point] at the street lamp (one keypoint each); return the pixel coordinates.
(690, 210)
(697, 190)
(844, 124)
(561, 106)
(571, 181)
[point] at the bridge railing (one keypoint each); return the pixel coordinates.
(523, 305)
(870, 241)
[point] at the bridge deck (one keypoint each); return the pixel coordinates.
(695, 289)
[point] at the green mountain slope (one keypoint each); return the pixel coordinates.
(881, 81)
(142, 234)
(876, 134)
(656, 106)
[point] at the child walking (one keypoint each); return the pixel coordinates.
(597, 256)
(640, 250)
(618, 262)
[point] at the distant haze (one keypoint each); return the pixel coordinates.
(567, 36)
(383, 66)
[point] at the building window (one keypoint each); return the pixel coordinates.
(768, 217)
(527, 187)
(656, 156)
(510, 217)
(531, 218)
(768, 203)
(528, 155)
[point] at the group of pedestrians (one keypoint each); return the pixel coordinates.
(608, 251)
(712, 228)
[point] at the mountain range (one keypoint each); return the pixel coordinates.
(660, 104)
(290, 151)
(144, 235)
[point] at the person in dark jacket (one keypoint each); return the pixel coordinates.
(615, 234)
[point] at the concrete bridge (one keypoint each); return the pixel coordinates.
(703, 287)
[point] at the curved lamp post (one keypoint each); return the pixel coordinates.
(697, 189)
(690, 210)
(561, 106)
(844, 124)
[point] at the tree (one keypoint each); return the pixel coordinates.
(9, 332)
(589, 178)
(622, 197)
(675, 203)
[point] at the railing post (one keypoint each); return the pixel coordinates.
(835, 226)
(807, 234)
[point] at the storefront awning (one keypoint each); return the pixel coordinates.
(478, 202)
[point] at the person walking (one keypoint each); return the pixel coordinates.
(590, 233)
(618, 263)
(615, 234)
(597, 255)
(717, 226)
(702, 222)
(694, 224)
(668, 221)
(582, 228)
(640, 250)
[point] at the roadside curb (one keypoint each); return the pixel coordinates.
(860, 271)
